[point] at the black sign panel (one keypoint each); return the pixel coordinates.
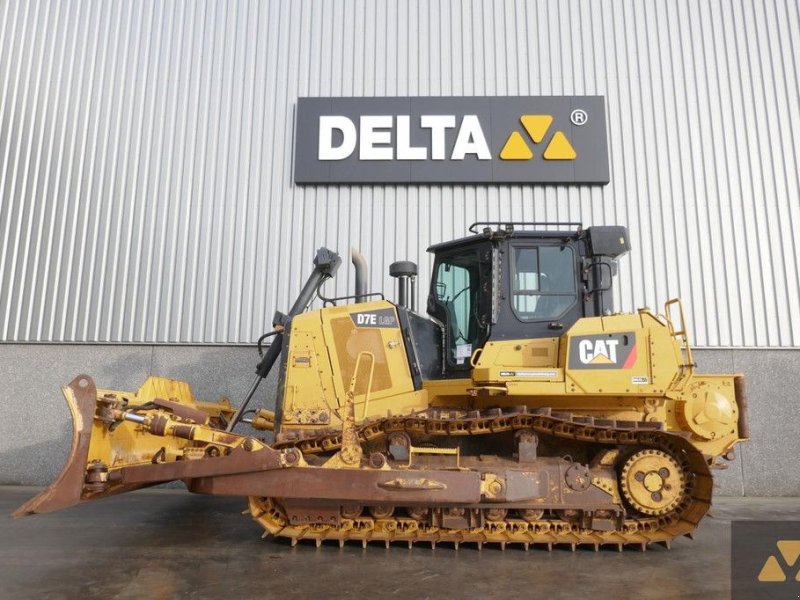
(509, 139)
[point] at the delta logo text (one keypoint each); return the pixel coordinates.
(608, 351)
(539, 139)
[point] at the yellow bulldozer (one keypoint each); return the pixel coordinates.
(521, 409)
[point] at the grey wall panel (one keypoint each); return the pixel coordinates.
(145, 154)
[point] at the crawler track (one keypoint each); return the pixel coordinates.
(637, 529)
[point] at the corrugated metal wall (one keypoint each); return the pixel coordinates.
(145, 154)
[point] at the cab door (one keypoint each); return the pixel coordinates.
(460, 298)
(543, 290)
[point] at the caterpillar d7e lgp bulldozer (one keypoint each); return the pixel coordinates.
(521, 410)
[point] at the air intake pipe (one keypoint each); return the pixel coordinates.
(362, 274)
(406, 273)
(326, 262)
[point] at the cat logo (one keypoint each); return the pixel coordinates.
(772, 572)
(609, 351)
(558, 147)
(601, 352)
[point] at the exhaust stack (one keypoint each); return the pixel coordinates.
(362, 274)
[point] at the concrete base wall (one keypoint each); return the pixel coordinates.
(35, 428)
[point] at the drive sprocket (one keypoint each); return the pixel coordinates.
(653, 482)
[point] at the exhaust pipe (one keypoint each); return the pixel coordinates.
(362, 274)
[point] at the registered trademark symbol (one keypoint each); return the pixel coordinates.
(579, 117)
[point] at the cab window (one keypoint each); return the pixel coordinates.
(543, 282)
(456, 290)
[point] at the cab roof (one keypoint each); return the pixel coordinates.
(506, 230)
(603, 240)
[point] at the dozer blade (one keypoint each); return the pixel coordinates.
(66, 490)
(110, 456)
(125, 441)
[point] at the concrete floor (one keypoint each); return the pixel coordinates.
(171, 544)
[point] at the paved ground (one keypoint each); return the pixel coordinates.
(171, 544)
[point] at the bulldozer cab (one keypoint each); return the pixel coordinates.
(514, 281)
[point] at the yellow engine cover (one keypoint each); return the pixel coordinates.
(631, 367)
(326, 345)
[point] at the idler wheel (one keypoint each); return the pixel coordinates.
(531, 514)
(381, 512)
(419, 513)
(352, 511)
(495, 514)
(652, 482)
(377, 460)
(569, 514)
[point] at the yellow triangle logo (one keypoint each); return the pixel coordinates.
(559, 148)
(771, 571)
(790, 550)
(601, 359)
(515, 148)
(536, 126)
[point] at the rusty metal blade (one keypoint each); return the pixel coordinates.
(66, 490)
